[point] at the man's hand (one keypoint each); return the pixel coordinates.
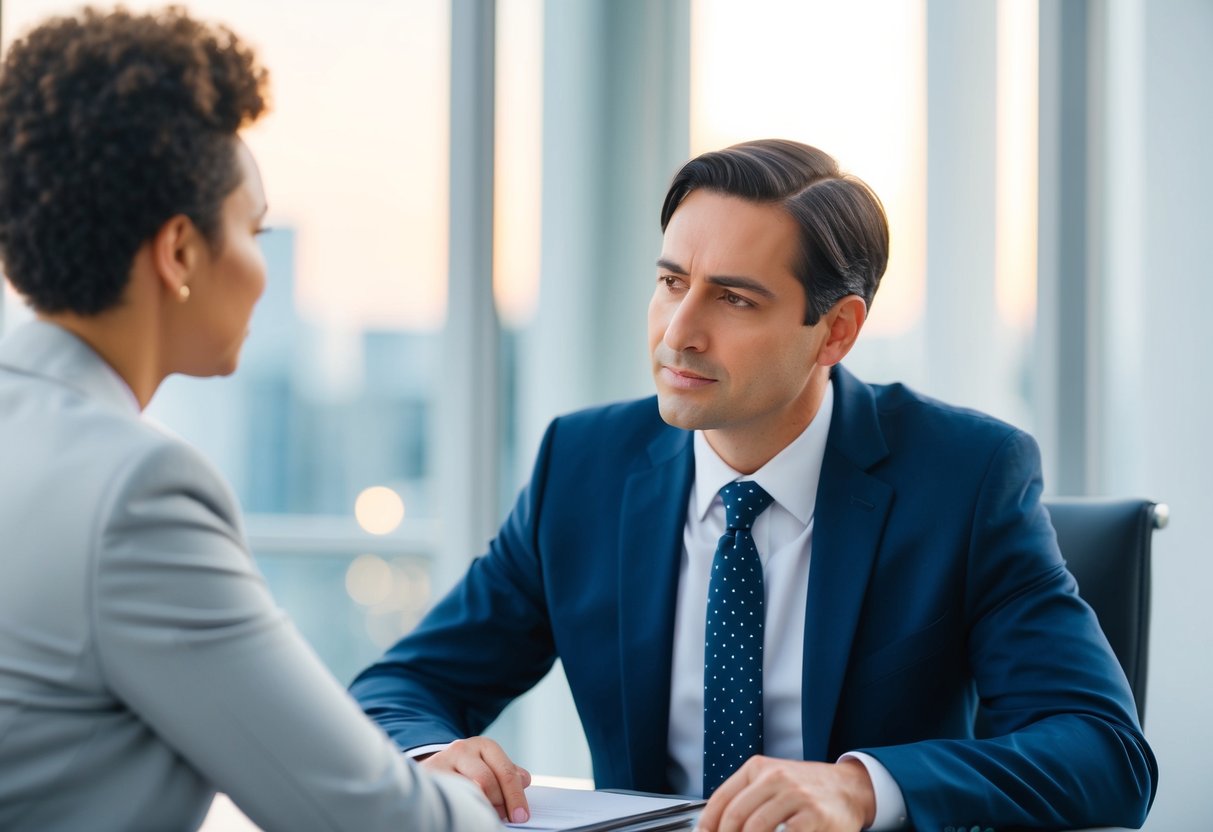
(804, 797)
(482, 761)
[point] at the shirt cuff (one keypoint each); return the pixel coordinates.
(433, 748)
(890, 804)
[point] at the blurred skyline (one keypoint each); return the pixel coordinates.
(355, 157)
(354, 151)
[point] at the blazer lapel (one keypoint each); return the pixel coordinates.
(848, 521)
(651, 524)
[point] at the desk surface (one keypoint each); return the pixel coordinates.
(225, 817)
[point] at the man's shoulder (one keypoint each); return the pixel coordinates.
(898, 399)
(631, 417)
(619, 435)
(895, 402)
(910, 424)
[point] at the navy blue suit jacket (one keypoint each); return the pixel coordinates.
(936, 584)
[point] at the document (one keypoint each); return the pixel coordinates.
(574, 810)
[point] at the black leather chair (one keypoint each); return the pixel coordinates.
(1106, 545)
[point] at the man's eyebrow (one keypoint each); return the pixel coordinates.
(746, 283)
(727, 281)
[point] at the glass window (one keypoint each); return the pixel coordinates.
(849, 78)
(332, 407)
(852, 79)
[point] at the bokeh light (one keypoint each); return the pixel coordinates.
(379, 510)
(369, 580)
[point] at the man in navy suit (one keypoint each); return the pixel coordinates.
(908, 571)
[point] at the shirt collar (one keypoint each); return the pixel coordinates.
(790, 477)
(41, 348)
(131, 398)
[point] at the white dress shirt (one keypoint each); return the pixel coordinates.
(783, 535)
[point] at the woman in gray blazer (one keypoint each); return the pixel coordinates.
(143, 663)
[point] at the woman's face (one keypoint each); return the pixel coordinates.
(227, 284)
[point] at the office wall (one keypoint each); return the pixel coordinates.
(1158, 335)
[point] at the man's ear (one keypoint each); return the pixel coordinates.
(845, 319)
(176, 251)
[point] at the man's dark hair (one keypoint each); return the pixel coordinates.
(844, 236)
(112, 123)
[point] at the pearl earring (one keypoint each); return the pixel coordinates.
(183, 294)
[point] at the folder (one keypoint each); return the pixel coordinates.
(574, 810)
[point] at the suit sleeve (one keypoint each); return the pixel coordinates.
(1062, 746)
(488, 641)
(190, 639)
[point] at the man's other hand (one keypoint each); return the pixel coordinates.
(804, 797)
(483, 761)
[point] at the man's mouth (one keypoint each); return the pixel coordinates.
(684, 379)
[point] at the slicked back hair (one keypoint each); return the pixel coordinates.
(844, 236)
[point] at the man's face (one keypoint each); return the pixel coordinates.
(731, 353)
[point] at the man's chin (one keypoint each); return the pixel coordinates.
(679, 414)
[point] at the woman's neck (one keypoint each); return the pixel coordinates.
(127, 338)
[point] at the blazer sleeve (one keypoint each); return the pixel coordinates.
(189, 638)
(1064, 748)
(488, 641)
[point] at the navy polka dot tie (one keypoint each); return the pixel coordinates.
(732, 659)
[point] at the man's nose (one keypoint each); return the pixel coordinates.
(686, 329)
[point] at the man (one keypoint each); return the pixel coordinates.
(775, 563)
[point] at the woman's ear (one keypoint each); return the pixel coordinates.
(176, 253)
(845, 320)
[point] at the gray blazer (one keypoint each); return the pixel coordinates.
(143, 663)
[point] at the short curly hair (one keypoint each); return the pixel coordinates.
(112, 123)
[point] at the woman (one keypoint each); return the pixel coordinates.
(143, 663)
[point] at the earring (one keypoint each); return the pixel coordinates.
(183, 294)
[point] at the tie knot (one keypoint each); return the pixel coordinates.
(743, 502)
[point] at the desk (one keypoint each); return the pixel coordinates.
(225, 817)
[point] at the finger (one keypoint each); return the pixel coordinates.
(479, 772)
(713, 813)
(779, 807)
(512, 780)
(763, 802)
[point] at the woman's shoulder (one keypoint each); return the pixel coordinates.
(88, 458)
(160, 468)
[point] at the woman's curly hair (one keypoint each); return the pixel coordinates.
(111, 123)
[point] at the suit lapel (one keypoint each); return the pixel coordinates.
(848, 521)
(651, 525)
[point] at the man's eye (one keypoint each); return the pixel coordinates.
(735, 300)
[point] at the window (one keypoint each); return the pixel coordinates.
(333, 406)
(947, 139)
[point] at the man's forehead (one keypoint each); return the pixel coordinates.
(728, 234)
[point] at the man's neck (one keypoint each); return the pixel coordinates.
(747, 447)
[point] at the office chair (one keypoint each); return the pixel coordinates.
(1106, 545)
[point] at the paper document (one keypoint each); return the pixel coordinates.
(574, 810)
